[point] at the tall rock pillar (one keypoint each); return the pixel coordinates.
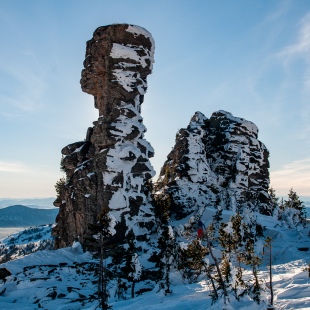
(109, 169)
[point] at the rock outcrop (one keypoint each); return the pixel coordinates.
(217, 162)
(110, 168)
(4, 273)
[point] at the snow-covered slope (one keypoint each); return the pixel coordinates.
(25, 242)
(65, 279)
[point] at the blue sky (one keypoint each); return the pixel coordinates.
(251, 58)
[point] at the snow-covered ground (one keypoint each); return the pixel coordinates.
(64, 279)
(44, 278)
(25, 242)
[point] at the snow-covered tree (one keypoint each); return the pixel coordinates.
(253, 261)
(135, 272)
(133, 268)
(166, 242)
(298, 210)
(101, 232)
(191, 260)
(209, 236)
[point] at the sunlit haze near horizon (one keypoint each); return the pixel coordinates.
(251, 58)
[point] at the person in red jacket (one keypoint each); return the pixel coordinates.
(200, 227)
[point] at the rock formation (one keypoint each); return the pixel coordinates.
(217, 162)
(109, 169)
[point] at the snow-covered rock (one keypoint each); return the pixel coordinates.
(110, 168)
(217, 162)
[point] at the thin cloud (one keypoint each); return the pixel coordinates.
(30, 89)
(293, 175)
(300, 49)
(12, 167)
(302, 45)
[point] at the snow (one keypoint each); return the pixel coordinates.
(170, 232)
(77, 248)
(137, 30)
(112, 225)
(123, 51)
(125, 78)
(38, 275)
(126, 75)
(249, 126)
(121, 162)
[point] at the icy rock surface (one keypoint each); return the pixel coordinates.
(217, 162)
(109, 169)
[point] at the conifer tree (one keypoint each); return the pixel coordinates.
(101, 233)
(135, 273)
(192, 260)
(293, 203)
(166, 242)
(209, 235)
(273, 199)
(231, 241)
(217, 217)
(273, 196)
(132, 265)
(59, 187)
(239, 286)
(252, 260)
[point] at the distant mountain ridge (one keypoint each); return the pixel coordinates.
(39, 203)
(22, 216)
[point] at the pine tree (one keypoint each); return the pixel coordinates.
(59, 187)
(231, 240)
(135, 273)
(208, 236)
(252, 260)
(217, 217)
(192, 261)
(166, 242)
(132, 265)
(101, 234)
(274, 199)
(225, 239)
(299, 211)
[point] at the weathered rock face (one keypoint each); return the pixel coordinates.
(109, 169)
(217, 162)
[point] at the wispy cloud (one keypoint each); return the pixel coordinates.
(283, 76)
(12, 167)
(294, 175)
(29, 87)
(302, 44)
(300, 49)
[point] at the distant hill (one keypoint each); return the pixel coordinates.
(39, 203)
(22, 216)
